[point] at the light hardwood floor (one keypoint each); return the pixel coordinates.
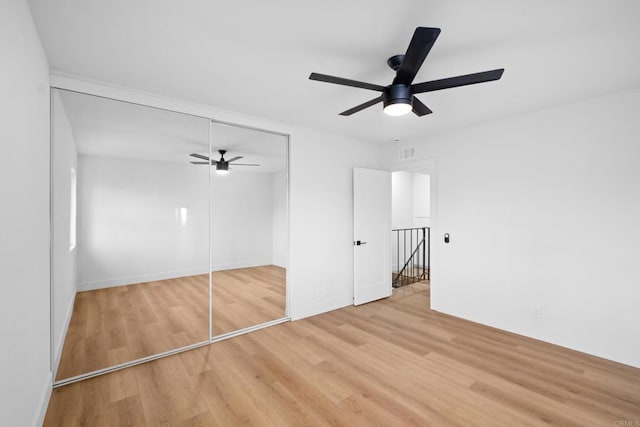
(391, 363)
(247, 297)
(119, 324)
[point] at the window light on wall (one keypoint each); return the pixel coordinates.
(181, 216)
(72, 209)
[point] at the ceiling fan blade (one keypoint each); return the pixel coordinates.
(419, 109)
(345, 82)
(245, 164)
(200, 163)
(419, 47)
(467, 79)
(361, 106)
(235, 158)
(199, 156)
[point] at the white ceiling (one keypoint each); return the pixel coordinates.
(104, 127)
(255, 56)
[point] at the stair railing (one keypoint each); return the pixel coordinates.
(415, 266)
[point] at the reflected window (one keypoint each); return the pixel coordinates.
(181, 216)
(72, 209)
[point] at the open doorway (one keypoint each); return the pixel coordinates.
(411, 229)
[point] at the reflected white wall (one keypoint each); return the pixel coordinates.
(241, 220)
(63, 278)
(143, 220)
(140, 221)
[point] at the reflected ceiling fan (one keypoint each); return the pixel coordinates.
(399, 97)
(222, 165)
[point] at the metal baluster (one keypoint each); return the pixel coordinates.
(424, 253)
(398, 256)
(404, 253)
(429, 254)
(410, 257)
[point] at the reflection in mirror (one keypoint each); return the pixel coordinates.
(249, 228)
(130, 226)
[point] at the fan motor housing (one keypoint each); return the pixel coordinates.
(397, 94)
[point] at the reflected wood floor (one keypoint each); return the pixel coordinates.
(119, 324)
(114, 325)
(247, 297)
(392, 362)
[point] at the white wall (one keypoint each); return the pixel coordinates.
(411, 207)
(280, 226)
(24, 242)
(543, 213)
(421, 200)
(410, 198)
(63, 278)
(401, 199)
(321, 221)
(129, 229)
(242, 220)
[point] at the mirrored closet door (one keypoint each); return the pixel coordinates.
(249, 227)
(130, 230)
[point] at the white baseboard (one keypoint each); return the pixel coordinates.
(43, 404)
(320, 307)
(140, 278)
(240, 264)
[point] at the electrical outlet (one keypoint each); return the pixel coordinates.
(537, 312)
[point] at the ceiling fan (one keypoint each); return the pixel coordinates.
(222, 165)
(399, 97)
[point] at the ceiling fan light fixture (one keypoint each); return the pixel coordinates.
(222, 165)
(398, 108)
(397, 100)
(222, 168)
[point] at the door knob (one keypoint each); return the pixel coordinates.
(359, 242)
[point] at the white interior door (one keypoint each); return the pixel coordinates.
(371, 235)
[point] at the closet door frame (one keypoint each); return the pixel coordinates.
(286, 316)
(71, 84)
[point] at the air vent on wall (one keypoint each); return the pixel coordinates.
(407, 153)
